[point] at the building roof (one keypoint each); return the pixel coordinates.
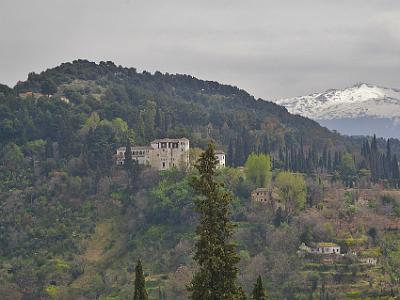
(219, 152)
(169, 140)
(141, 148)
(326, 244)
(260, 190)
(372, 252)
(123, 149)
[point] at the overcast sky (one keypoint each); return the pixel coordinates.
(272, 49)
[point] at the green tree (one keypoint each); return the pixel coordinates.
(259, 291)
(258, 170)
(215, 253)
(292, 192)
(120, 129)
(90, 123)
(101, 145)
(49, 87)
(36, 148)
(13, 158)
(347, 169)
(140, 283)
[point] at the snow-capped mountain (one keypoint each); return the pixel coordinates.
(361, 109)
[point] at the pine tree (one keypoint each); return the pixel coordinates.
(215, 253)
(259, 291)
(140, 284)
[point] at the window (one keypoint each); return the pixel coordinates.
(163, 164)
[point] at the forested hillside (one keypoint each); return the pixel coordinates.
(73, 224)
(166, 105)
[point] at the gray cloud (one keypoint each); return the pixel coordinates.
(272, 49)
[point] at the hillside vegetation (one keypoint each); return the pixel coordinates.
(73, 224)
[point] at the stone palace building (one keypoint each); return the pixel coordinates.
(162, 154)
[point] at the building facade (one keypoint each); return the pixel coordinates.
(262, 195)
(168, 153)
(369, 260)
(220, 157)
(326, 248)
(162, 154)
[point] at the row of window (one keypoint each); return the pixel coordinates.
(163, 145)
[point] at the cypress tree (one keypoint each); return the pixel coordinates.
(374, 158)
(324, 162)
(140, 284)
(329, 163)
(395, 168)
(230, 155)
(265, 145)
(128, 161)
(161, 295)
(130, 165)
(388, 162)
(259, 291)
(215, 253)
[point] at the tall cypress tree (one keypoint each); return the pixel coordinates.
(128, 161)
(230, 156)
(395, 168)
(259, 291)
(388, 162)
(130, 165)
(215, 253)
(140, 284)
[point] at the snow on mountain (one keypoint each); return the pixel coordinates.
(358, 101)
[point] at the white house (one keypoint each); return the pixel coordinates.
(220, 157)
(325, 248)
(369, 260)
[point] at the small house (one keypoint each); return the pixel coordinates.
(369, 256)
(262, 195)
(220, 157)
(325, 248)
(369, 260)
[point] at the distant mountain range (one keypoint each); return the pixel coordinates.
(362, 109)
